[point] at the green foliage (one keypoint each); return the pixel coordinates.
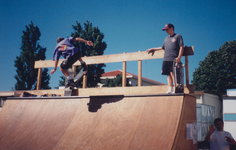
(31, 51)
(88, 32)
(62, 81)
(217, 72)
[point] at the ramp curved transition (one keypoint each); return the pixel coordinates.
(97, 123)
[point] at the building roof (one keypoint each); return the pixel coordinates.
(113, 74)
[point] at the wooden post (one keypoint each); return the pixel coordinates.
(74, 70)
(85, 81)
(124, 74)
(186, 70)
(139, 72)
(39, 78)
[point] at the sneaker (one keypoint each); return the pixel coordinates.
(170, 90)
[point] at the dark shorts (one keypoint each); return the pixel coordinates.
(167, 67)
(67, 63)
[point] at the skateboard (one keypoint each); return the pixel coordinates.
(178, 71)
(78, 76)
(68, 90)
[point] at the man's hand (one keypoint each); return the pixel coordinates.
(89, 43)
(53, 70)
(230, 140)
(152, 51)
(211, 130)
(178, 59)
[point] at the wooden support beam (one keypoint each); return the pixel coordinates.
(143, 90)
(74, 70)
(107, 91)
(124, 65)
(85, 81)
(139, 72)
(7, 93)
(186, 70)
(124, 57)
(39, 78)
(143, 55)
(49, 92)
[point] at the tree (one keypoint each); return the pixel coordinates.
(217, 72)
(88, 32)
(31, 51)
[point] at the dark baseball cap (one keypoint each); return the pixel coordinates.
(168, 26)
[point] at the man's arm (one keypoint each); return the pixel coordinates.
(211, 130)
(89, 43)
(181, 51)
(152, 50)
(230, 140)
(55, 67)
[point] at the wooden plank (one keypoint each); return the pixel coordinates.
(85, 81)
(188, 51)
(142, 90)
(107, 91)
(186, 70)
(98, 123)
(139, 72)
(188, 116)
(39, 78)
(142, 55)
(7, 93)
(49, 92)
(124, 65)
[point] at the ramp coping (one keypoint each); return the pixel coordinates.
(81, 97)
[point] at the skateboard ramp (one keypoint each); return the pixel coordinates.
(97, 123)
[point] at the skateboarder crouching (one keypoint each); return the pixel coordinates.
(71, 54)
(173, 46)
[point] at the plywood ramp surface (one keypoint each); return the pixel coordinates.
(98, 123)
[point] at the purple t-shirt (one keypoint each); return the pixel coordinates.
(65, 48)
(171, 46)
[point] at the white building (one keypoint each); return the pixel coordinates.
(208, 108)
(229, 112)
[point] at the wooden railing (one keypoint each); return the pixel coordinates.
(124, 57)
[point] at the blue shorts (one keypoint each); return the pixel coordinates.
(167, 67)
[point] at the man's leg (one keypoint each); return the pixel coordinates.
(170, 80)
(65, 65)
(83, 64)
(65, 72)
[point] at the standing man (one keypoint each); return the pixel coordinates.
(218, 138)
(174, 47)
(66, 48)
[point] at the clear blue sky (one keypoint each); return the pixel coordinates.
(128, 26)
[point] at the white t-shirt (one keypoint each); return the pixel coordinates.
(218, 140)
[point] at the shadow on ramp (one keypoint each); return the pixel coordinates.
(96, 102)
